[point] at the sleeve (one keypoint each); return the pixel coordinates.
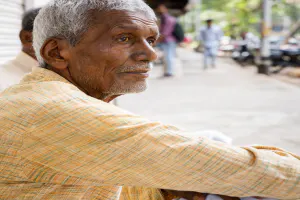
(168, 26)
(201, 35)
(97, 142)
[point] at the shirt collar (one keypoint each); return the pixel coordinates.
(39, 74)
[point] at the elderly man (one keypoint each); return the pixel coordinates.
(60, 139)
(13, 71)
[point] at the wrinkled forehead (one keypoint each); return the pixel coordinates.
(119, 17)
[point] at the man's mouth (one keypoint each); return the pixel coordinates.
(142, 72)
(139, 73)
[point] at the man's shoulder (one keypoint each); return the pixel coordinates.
(35, 97)
(217, 28)
(55, 93)
(47, 100)
(41, 83)
(173, 18)
(170, 18)
(35, 90)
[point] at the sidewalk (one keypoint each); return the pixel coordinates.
(289, 75)
(250, 108)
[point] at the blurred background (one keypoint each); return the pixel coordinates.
(251, 94)
(11, 12)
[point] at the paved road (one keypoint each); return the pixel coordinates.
(250, 108)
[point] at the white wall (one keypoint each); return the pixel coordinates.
(35, 3)
(40, 3)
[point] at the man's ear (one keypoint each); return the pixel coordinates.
(55, 53)
(25, 37)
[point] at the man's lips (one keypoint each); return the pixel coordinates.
(136, 72)
(143, 73)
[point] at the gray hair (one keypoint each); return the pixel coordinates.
(69, 19)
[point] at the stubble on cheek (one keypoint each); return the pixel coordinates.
(98, 72)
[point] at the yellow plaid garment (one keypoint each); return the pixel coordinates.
(58, 143)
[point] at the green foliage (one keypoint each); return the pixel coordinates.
(240, 15)
(236, 16)
(291, 10)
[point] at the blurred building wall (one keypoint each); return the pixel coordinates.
(11, 12)
(39, 3)
(10, 24)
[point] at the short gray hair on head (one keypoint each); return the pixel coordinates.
(69, 19)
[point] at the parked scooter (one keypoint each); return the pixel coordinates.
(287, 55)
(291, 52)
(244, 52)
(242, 55)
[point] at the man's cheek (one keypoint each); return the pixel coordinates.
(110, 80)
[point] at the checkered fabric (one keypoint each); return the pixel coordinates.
(58, 143)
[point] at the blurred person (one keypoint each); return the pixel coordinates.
(210, 37)
(60, 139)
(244, 42)
(168, 40)
(13, 71)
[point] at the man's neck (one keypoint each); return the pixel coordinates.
(96, 94)
(110, 98)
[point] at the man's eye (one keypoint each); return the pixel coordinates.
(124, 39)
(151, 41)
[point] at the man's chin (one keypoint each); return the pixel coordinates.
(136, 89)
(139, 91)
(132, 89)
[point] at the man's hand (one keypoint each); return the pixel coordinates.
(172, 194)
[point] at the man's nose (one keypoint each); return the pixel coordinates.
(145, 52)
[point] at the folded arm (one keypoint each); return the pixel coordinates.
(98, 142)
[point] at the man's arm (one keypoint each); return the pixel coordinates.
(201, 35)
(90, 140)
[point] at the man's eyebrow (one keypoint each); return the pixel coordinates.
(134, 27)
(128, 27)
(123, 26)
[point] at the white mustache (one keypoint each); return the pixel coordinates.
(135, 68)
